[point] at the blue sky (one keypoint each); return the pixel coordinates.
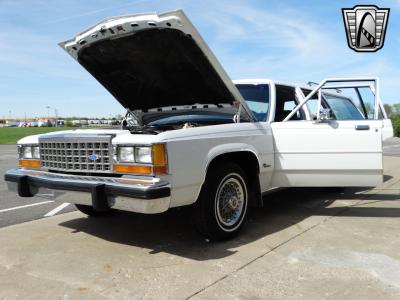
(293, 41)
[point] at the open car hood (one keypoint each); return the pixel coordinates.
(148, 61)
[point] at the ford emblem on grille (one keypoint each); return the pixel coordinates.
(93, 157)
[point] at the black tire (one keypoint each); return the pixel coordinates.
(334, 190)
(90, 211)
(208, 207)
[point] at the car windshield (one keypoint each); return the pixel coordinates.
(195, 118)
(257, 99)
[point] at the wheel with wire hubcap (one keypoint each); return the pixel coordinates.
(222, 205)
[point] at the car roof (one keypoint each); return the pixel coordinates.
(269, 81)
(256, 81)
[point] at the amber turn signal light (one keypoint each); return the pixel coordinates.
(159, 154)
(133, 169)
(31, 163)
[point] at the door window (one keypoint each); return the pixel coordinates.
(312, 104)
(342, 103)
(286, 101)
(368, 99)
(343, 108)
(350, 101)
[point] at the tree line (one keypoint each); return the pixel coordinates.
(393, 112)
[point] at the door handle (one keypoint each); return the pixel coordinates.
(362, 127)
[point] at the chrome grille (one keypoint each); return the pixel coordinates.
(91, 154)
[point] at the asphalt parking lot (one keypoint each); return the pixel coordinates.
(14, 210)
(304, 244)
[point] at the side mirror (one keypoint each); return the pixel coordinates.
(325, 115)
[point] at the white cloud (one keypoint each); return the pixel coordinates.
(250, 42)
(287, 45)
(280, 40)
(26, 51)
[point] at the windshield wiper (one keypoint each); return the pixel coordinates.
(151, 128)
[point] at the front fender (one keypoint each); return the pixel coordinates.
(225, 149)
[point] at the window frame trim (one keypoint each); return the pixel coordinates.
(298, 98)
(352, 82)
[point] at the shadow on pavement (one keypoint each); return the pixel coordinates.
(172, 232)
(387, 177)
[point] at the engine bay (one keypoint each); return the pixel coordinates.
(155, 122)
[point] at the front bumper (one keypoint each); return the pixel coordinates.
(150, 195)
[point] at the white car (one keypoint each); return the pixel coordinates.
(193, 137)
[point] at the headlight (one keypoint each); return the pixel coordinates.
(146, 160)
(126, 154)
(143, 155)
(26, 152)
(35, 152)
(29, 152)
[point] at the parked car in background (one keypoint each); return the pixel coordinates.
(45, 123)
(11, 123)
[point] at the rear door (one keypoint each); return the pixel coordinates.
(345, 150)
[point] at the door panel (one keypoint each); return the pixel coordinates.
(332, 153)
(387, 129)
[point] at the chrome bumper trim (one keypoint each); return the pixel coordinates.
(142, 195)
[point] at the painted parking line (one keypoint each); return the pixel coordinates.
(56, 210)
(24, 206)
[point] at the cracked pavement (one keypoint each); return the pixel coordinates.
(304, 244)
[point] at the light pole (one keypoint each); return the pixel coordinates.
(48, 112)
(48, 115)
(55, 113)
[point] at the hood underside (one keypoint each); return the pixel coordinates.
(149, 61)
(154, 67)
